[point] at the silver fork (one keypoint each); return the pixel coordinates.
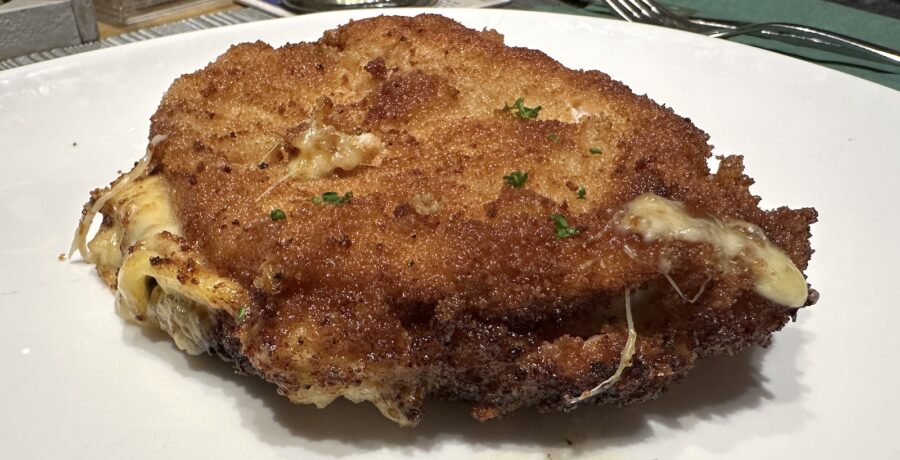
(651, 12)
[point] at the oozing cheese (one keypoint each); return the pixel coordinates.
(156, 280)
(775, 277)
(159, 281)
(79, 242)
(625, 358)
(324, 149)
(146, 207)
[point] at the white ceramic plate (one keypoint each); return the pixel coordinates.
(77, 382)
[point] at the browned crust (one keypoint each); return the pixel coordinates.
(480, 301)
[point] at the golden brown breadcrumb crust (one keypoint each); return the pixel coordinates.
(471, 296)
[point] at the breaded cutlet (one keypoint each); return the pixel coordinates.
(362, 206)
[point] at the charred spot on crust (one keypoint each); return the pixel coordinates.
(377, 68)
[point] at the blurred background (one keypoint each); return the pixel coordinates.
(37, 30)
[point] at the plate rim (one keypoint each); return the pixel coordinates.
(457, 14)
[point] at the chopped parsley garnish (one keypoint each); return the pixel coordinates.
(563, 229)
(581, 192)
(333, 198)
(520, 110)
(553, 137)
(516, 179)
(242, 313)
(596, 151)
(277, 214)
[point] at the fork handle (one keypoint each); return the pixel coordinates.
(870, 49)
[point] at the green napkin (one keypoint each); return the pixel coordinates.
(859, 24)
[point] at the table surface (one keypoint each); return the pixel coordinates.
(111, 30)
(889, 8)
(875, 21)
(883, 7)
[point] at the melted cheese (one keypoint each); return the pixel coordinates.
(425, 204)
(91, 209)
(776, 278)
(156, 280)
(186, 321)
(625, 358)
(577, 113)
(139, 210)
(160, 281)
(147, 209)
(324, 149)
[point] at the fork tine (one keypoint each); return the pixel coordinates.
(654, 7)
(662, 11)
(664, 16)
(651, 12)
(624, 9)
(647, 14)
(654, 13)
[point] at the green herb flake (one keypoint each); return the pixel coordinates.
(596, 151)
(581, 192)
(520, 110)
(333, 198)
(277, 214)
(553, 137)
(563, 229)
(516, 179)
(242, 313)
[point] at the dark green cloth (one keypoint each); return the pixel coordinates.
(859, 24)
